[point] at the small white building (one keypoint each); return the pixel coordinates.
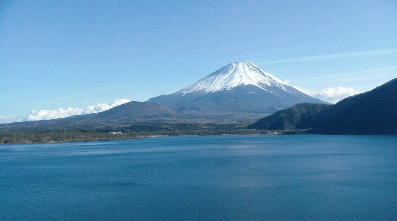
(119, 132)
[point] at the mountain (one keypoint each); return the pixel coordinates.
(239, 88)
(299, 116)
(134, 111)
(128, 113)
(372, 112)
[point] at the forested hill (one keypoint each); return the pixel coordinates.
(372, 112)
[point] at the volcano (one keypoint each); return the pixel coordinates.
(239, 88)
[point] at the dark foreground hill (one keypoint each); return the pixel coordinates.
(373, 112)
(299, 116)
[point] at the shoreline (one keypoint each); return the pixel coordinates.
(10, 141)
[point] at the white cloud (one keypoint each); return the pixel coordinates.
(336, 56)
(332, 94)
(103, 107)
(62, 113)
(53, 114)
(5, 119)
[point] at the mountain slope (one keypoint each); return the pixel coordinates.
(298, 116)
(373, 112)
(238, 88)
(133, 111)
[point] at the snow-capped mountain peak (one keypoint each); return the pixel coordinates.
(237, 89)
(233, 75)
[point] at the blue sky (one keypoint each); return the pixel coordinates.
(60, 54)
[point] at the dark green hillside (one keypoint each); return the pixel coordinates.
(298, 116)
(373, 112)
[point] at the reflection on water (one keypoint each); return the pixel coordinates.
(304, 177)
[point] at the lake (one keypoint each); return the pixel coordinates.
(262, 177)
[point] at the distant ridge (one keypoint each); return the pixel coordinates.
(372, 112)
(239, 88)
(133, 111)
(129, 113)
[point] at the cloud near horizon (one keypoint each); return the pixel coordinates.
(332, 94)
(6, 119)
(103, 107)
(61, 112)
(53, 114)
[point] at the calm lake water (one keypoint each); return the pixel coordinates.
(299, 177)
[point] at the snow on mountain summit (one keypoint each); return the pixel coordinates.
(233, 75)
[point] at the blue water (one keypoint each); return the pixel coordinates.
(300, 177)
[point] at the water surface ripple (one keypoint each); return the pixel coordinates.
(300, 177)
